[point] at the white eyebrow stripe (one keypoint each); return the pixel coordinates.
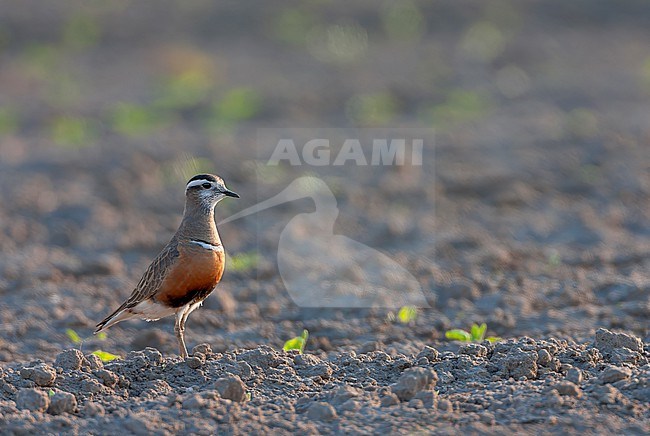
(197, 182)
(206, 245)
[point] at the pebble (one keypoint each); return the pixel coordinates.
(414, 380)
(607, 341)
(231, 387)
(32, 399)
(94, 362)
(429, 352)
(109, 378)
(321, 411)
(350, 405)
(93, 409)
(568, 388)
(520, 364)
(69, 360)
(606, 394)
(194, 362)
(91, 386)
(574, 375)
(389, 400)
(445, 405)
(544, 357)
(62, 402)
(204, 349)
(41, 374)
(476, 350)
(614, 374)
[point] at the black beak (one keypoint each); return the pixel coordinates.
(231, 194)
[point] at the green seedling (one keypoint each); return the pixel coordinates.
(105, 356)
(407, 314)
(476, 334)
(50, 393)
(73, 336)
(297, 343)
(243, 262)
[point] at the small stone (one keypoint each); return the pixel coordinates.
(475, 350)
(429, 352)
(520, 364)
(244, 370)
(574, 375)
(32, 399)
(231, 387)
(614, 373)
(306, 360)
(607, 341)
(554, 399)
(428, 398)
(323, 371)
(204, 349)
(321, 411)
(41, 374)
(94, 362)
(389, 400)
(193, 362)
(193, 402)
(445, 405)
(369, 346)
(107, 377)
(350, 405)
(344, 393)
(93, 409)
(62, 402)
(69, 360)
(606, 394)
(544, 357)
(91, 386)
(412, 381)
(568, 388)
(153, 356)
(416, 403)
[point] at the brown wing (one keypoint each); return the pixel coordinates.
(154, 275)
(150, 281)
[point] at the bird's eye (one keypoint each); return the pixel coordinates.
(206, 185)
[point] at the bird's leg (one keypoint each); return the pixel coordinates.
(179, 330)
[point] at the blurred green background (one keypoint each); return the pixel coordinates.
(75, 74)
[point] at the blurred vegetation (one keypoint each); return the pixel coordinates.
(443, 66)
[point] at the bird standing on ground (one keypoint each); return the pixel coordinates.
(187, 269)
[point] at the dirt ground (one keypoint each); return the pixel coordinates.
(530, 212)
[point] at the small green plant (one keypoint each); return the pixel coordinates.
(297, 343)
(476, 334)
(50, 393)
(407, 314)
(243, 262)
(105, 356)
(73, 336)
(238, 104)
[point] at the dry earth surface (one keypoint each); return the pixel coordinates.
(532, 215)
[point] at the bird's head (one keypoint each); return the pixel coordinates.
(206, 190)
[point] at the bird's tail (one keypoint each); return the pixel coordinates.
(120, 314)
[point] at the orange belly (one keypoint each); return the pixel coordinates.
(193, 277)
